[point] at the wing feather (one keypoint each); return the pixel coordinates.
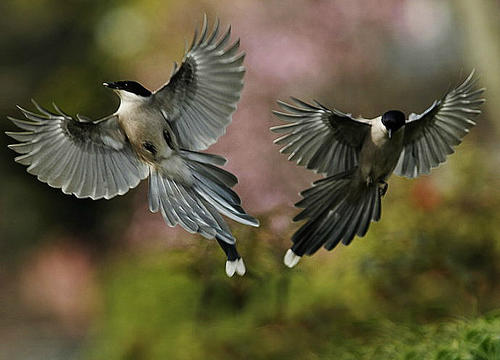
(327, 141)
(431, 136)
(83, 158)
(202, 93)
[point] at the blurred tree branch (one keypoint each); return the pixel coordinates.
(481, 34)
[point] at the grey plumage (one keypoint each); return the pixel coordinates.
(339, 208)
(431, 136)
(202, 94)
(323, 140)
(359, 155)
(157, 134)
(83, 158)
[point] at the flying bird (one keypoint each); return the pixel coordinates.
(153, 134)
(359, 155)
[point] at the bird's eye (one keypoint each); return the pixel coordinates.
(149, 147)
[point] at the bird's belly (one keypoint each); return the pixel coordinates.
(380, 166)
(145, 133)
(377, 162)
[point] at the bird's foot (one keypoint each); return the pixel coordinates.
(382, 188)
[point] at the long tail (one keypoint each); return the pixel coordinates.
(337, 208)
(197, 204)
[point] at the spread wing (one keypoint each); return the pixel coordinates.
(327, 141)
(431, 136)
(201, 95)
(81, 157)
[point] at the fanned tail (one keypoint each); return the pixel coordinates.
(214, 185)
(337, 208)
(197, 204)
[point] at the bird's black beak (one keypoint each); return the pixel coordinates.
(110, 85)
(389, 133)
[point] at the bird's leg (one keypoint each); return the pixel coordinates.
(382, 187)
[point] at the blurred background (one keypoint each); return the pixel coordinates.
(82, 279)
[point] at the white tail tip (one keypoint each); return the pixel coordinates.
(235, 266)
(240, 267)
(291, 259)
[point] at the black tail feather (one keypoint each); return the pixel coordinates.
(229, 249)
(337, 208)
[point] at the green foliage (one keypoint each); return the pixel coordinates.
(454, 340)
(390, 295)
(163, 306)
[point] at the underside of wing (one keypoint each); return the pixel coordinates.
(432, 135)
(327, 141)
(81, 157)
(202, 94)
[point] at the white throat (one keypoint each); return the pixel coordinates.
(130, 101)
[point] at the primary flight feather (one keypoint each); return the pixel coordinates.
(157, 134)
(359, 155)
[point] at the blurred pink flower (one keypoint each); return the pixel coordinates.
(58, 281)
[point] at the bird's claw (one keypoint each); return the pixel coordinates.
(382, 188)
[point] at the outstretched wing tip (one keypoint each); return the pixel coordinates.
(63, 159)
(323, 140)
(430, 137)
(297, 100)
(201, 96)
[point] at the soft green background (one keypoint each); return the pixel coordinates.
(108, 280)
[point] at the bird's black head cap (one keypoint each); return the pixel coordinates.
(393, 120)
(130, 86)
